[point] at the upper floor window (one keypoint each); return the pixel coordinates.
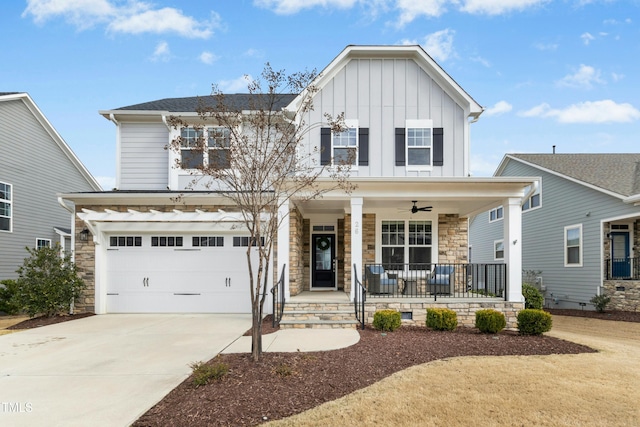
(345, 147)
(573, 246)
(533, 201)
(496, 214)
(5, 206)
(418, 145)
(215, 153)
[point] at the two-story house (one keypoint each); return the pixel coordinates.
(35, 165)
(408, 138)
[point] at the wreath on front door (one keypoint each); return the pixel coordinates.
(323, 243)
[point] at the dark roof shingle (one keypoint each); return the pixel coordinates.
(239, 101)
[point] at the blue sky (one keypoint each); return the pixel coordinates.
(563, 73)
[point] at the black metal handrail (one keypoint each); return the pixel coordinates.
(277, 293)
(436, 280)
(622, 268)
(360, 297)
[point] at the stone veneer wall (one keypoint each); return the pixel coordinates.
(465, 311)
(85, 251)
(296, 256)
(625, 294)
(453, 239)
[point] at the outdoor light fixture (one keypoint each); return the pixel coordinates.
(84, 235)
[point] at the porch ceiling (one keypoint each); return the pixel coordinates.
(464, 196)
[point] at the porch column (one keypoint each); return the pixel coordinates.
(356, 241)
(513, 247)
(283, 246)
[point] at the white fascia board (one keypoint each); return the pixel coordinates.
(55, 136)
(568, 178)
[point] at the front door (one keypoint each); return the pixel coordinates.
(620, 261)
(323, 256)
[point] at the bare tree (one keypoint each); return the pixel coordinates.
(255, 158)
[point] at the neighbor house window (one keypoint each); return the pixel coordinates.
(496, 214)
(573, 246)
(419, 143)
(533, 201)
(345, 147)
(5, 206)
(406, 242)
(498, 250)
(43, 243)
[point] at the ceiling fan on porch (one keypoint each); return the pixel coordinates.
(416, 209)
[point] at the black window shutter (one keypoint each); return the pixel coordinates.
(363, 147)
(325, 146)
(400, 158)
(438, 147)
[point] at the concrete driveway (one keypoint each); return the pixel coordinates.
(105, 370)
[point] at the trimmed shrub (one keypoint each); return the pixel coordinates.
(534, 322)
(533, 298)
(387, 320)
(490, 321)
(442, 319)
(8, 290)
(203, 373)
(47, 283)
(600, 302)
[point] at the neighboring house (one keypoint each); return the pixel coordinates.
(409, 130)
(35, 165)
(580, 227)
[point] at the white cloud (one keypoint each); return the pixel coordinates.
(546, 46)
(208, 58)
(585, 78)
(484, 165)
(161, 52)
(617, 77)
(498, 7)
(439, 45)
(289, 7)
(132, 17)
(253, 53)
(605, 111)
(587, 38)
(501, 107)
(239, 85)
(411, 9)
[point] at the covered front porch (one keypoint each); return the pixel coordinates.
(333, 243)
(621, 263)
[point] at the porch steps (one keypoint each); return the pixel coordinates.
(318, 315)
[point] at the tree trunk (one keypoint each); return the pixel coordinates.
(256, 336)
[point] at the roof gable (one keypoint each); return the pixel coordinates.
(612, 173)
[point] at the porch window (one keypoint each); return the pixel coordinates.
(498, 250)
(406, 240)
(573, 246)
(43, 243)
(5, 206)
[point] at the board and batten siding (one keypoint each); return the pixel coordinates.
(144, 161)
(565, 203)
(382, 94)
(37, 168)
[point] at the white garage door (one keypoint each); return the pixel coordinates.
(177, 273)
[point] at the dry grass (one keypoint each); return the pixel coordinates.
(598, 389)
(6, 321)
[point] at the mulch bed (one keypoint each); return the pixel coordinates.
(44, 320)
(284, 384)
(620, 316)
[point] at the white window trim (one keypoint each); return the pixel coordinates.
(417, 124)
(580, 247)
(406, 220)
(40, 239)
(350, 124)
(496, 211)
(10, 203)
(495, 252)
